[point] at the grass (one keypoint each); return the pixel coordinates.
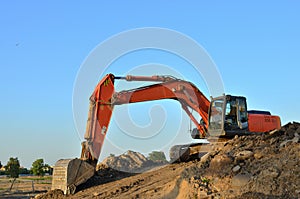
(45, 182)
(37, 178)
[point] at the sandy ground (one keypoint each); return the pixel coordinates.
(24, 187)
(257, 166)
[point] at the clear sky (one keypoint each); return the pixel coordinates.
(255, 45)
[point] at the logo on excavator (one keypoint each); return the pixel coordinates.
(106, 82)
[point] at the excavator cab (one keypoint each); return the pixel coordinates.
(228, 116)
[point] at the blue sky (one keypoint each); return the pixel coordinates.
(254, 44)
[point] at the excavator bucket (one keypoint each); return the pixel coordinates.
(69, 173)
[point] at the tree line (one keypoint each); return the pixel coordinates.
(13, 168)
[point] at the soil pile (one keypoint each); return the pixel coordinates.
(260, 166)
(254, 166)
(130, 162)
(104, 174)
(53, 194)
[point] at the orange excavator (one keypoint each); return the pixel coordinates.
(222, 118)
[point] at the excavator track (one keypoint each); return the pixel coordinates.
(187, 152)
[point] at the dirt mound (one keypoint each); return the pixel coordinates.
(130, 162)
(255, 166)
(261, 166)
(104, 174)
(53, 194)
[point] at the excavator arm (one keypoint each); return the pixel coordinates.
(99, 115)
(104, 99)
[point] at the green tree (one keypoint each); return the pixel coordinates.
(112, 155)
(1, 172)
(48, 169)
(157, 156)
(38, 167)
(13, 167)
(23, 171)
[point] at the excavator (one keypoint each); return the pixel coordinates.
(222, 118)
